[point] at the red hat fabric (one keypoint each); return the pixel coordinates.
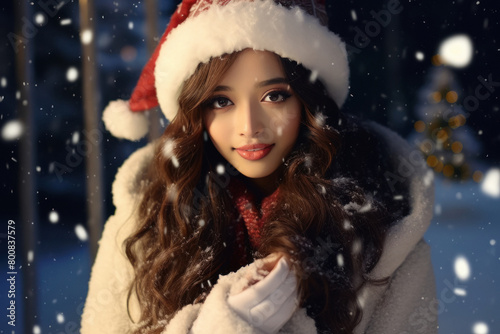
(202, 29)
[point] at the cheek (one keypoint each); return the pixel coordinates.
(293, 120)
(287, 120)
(290, 131)
(216, 128)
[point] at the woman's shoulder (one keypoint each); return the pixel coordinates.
(383, 163)
(386, 165)
(129, 177)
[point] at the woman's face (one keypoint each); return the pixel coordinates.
(253, 117)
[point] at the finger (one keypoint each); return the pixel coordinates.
(272, 281)
(269, 262)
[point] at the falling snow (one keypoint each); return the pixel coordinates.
(428, 178)
(480, 328)
(30, 256)
(462, 268)
(72, 74)
(53, 217)
(168, 152)
(320, 119)
(354, 16)
(12, 130)
(86, 37)
(75, 138)
(65, 22)
(40, 19)
(419, 55)
(456, 51)
(314, 76)
(220, 169)
(437, 209)
(460, 292)
(321, 188)
(340, 260)
(347, 225)
(491, 183)
(81, 232)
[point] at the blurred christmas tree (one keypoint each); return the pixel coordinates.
(442, 134)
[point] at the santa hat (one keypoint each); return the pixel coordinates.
(202, 29)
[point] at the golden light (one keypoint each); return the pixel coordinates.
(419, 126)
(451, 96)
(439, 167)
(436, 60)
(432, 161)
(426, 147)
(457, 147)
(436, 97)
(461, 119)
(477, 176)
(442, 135)
(454, 122)
(448, 170)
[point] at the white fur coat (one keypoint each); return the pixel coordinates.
(403, 306)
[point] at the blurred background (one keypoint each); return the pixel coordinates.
(426, 69)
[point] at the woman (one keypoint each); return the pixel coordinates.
(262, 208)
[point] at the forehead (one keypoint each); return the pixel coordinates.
(255, 66)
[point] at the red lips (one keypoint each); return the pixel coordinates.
(255, 151)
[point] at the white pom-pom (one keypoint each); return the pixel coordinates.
(123, 122)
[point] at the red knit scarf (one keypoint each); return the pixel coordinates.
(251, 218)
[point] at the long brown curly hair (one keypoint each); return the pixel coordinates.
(330, 228)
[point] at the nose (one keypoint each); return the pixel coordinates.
(250, 119)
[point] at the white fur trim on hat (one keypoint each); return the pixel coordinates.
(260, 25)
(123, 122)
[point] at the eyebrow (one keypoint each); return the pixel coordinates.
(261, 84)
(272, 81)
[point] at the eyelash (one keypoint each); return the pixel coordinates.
(210, 103)
(285, 95)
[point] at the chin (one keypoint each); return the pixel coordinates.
(256, 173)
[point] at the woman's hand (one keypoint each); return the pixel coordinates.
(270, 297)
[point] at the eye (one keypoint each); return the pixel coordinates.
(219, 102)
(277, 96)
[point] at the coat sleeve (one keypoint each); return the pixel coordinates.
(105, 309)
(408, 305)
(106, 305)
(215, 316)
